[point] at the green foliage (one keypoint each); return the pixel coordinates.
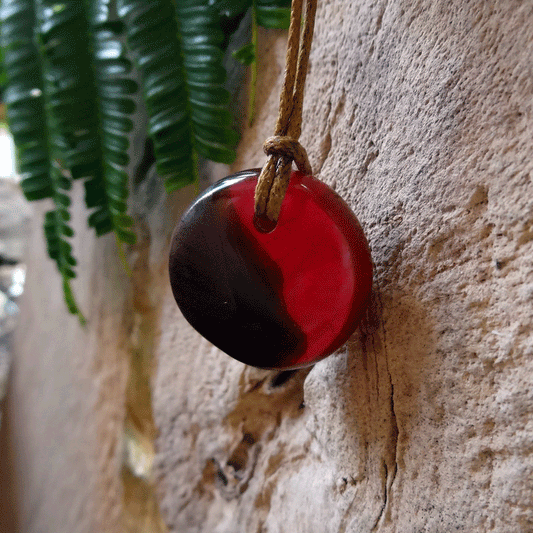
(106, 189)
(57, 231)
(275, 15)
(246, 54)
(3, 77)
(70, 88)
(178, 53)
(24, 97)
(269, 15)
(61, 96)
(88, 103)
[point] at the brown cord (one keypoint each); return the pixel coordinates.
(284, 148)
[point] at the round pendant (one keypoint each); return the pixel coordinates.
(280, 299)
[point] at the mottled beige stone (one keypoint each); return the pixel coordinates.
(419, 114)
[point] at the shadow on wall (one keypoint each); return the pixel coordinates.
(385, 370)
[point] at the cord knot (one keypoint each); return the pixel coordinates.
(284, 148)
(281, 146)
(275, 175)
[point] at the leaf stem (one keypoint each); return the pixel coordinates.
(70, 301)
(82, 320)
(253, 81)
(122, 257)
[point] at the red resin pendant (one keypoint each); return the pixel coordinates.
(284, 299)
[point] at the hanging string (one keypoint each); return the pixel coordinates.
(283, 148)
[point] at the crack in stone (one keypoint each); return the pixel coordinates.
(325, 145)
(379, 19)
(344, 522)
(371, 156)
(385, 497)
(388, 480)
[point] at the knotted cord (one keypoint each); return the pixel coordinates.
(283, 148)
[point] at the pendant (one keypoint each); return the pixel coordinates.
(284, 298)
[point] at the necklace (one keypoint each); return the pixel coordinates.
(271, 265)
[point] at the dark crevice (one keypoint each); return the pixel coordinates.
(147, 160)
(237, 463)
(394, 425)
(394, 431)
(256, 385)
(222, 477)
(390, 464)
(248, 439)
(281, 378)
(371, 156)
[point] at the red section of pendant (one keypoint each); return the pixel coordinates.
(283, 299)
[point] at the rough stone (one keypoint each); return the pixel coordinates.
(15, 215)
(419, 114)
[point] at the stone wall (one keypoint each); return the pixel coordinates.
(419, 114)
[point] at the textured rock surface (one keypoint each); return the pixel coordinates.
(420, 115)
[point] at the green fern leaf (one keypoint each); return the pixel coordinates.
(273, 14)
(246, 54)
(28, 123)
(89, 107)
(24, 97)
(76, 117)
(178, 50)
(68, 85)
(153, 38)
(57, 231)
(115, 105)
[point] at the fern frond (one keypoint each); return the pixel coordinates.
(114, 88)
(68, 103)
(23, 95)
(275, 14)
(57, 231)
(89, 107)
(202, 38)
(68, 86)
(268, 14)
(28, 123)
(178, 52)
(153, 39)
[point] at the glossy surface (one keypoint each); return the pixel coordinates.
(283, 299)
